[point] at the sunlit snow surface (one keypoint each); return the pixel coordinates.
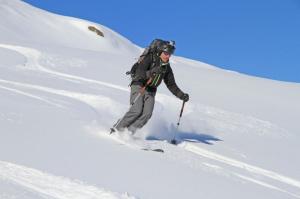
(62, 87)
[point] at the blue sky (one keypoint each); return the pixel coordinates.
(256, 37)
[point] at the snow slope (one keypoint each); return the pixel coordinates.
(62, 87)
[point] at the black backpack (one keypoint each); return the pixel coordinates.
(151, 50)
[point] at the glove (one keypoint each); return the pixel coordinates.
(185, 97)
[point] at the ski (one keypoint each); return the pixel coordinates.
(154, 150)
(114, 136)
(111, 131)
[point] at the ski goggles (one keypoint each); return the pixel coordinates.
(166, 53)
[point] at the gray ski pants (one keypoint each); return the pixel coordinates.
(140, 112)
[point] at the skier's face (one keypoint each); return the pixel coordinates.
(165, 56)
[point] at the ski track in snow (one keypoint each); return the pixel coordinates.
(33, 56)
(251, 169)
(29, 95)
(43, 183)
(54, 186)
(94, 101)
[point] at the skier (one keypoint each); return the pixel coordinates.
(148, 74)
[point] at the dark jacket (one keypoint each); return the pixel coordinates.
(153, 67)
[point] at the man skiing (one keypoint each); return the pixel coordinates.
(149, 73)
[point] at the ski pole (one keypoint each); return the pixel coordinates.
(141, 92)
(173, 141)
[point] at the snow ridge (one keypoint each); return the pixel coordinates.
(54, 186)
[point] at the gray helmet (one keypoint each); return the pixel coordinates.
(168, 46)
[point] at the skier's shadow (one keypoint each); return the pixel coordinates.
(183, 136)
(196, 137)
